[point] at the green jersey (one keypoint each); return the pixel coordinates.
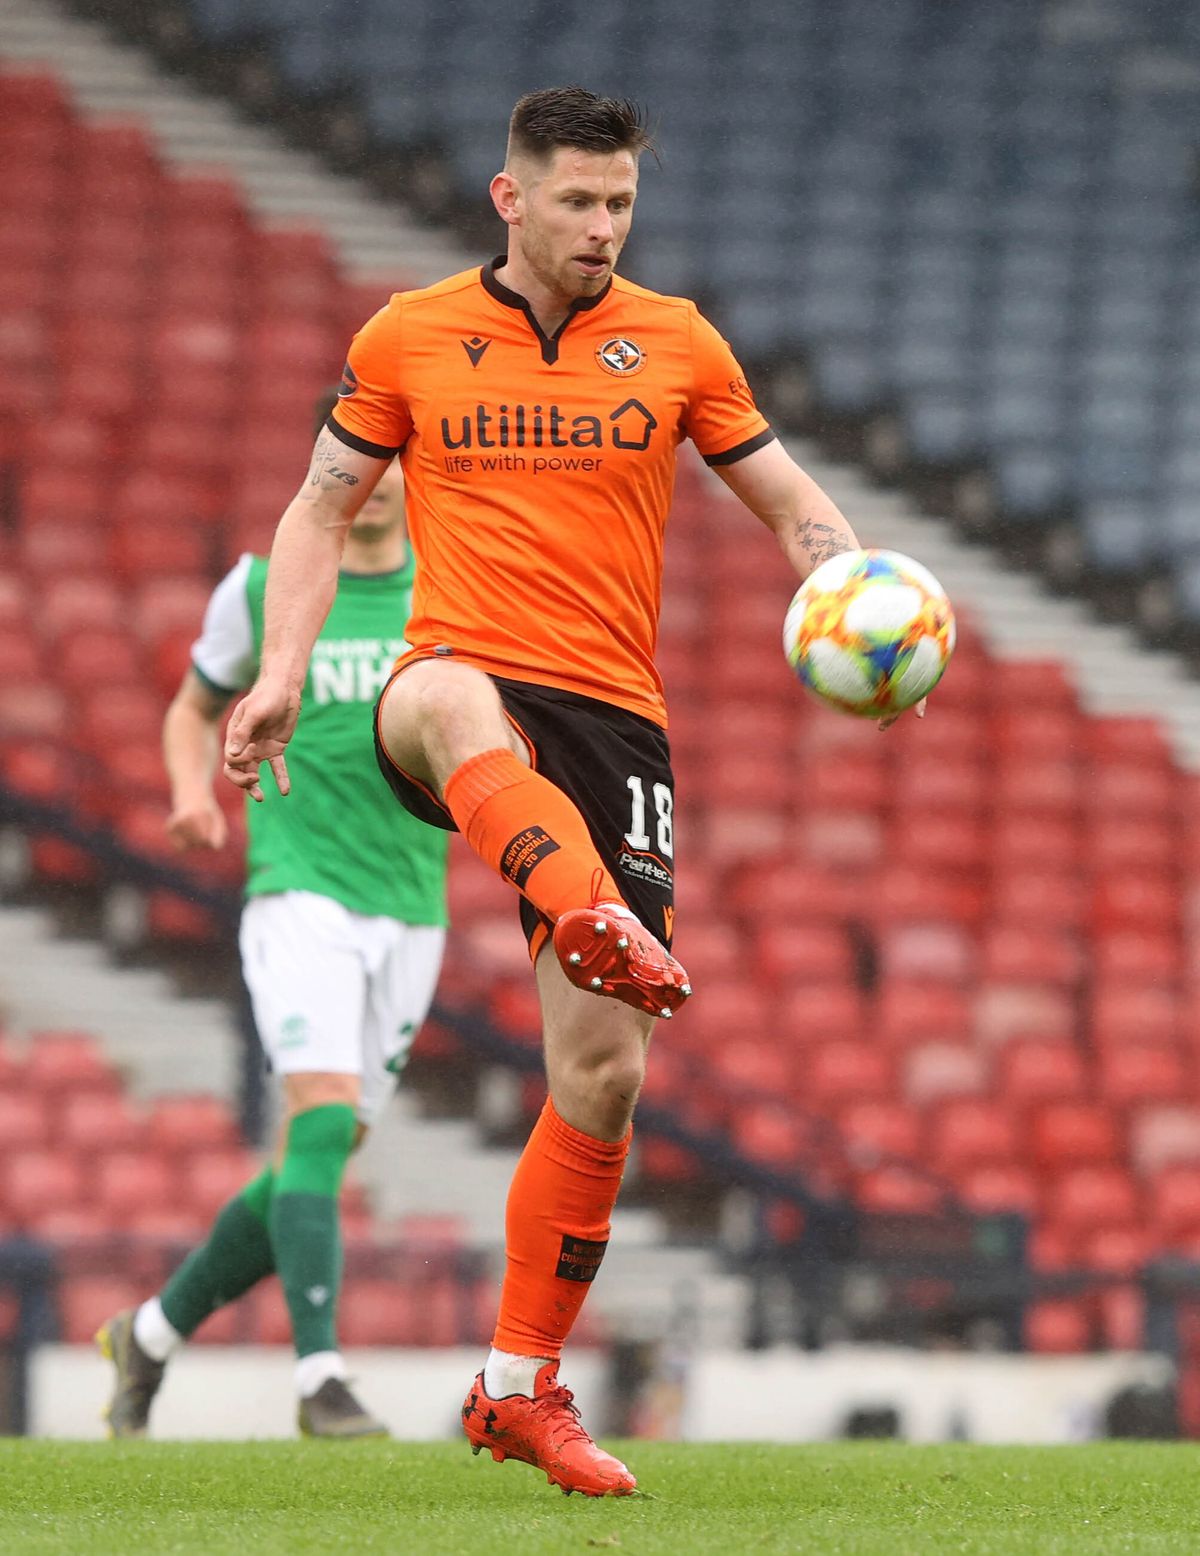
(340, 832)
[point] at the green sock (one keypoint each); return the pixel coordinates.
(305, 1231)
(236, 1256)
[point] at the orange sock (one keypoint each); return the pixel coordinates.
(526, 828)
(556, 1225)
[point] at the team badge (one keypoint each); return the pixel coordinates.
(621, 356)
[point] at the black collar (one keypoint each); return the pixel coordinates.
(511, 299)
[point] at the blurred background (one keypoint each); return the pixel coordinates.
(923, 1158)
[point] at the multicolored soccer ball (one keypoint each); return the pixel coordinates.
(869, 632)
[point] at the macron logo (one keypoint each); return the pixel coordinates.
(475, 347)
(318, 1295)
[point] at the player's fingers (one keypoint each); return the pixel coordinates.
(920, 708)
(279, 768)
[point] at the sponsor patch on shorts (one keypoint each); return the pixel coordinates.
(578, 1259)
(525, 851)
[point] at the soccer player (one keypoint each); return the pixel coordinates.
(341, 942)
(537, 404)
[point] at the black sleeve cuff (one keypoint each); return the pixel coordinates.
(215, 686)
(739, 451)
(360, 445)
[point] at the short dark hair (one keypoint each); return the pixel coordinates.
(323, 407)
(572, 116)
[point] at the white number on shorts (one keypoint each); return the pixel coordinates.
(637, 836)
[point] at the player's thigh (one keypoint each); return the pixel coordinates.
(436, 714)
(307, 981)
(400, 988)
(595, 1052)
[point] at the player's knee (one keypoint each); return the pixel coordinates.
(612, 1081)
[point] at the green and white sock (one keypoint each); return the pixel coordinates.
(304, 1226)
(236, 1256)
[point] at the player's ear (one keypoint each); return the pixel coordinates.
(506, 197)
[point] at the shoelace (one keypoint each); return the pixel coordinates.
(558, 1404)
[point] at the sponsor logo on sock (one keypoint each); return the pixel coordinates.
(579, 1259)
(318, 1295)
(523, 852)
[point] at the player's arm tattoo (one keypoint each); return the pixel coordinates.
(325, 471)
(821, 541)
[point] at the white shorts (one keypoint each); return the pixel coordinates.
(337, 991)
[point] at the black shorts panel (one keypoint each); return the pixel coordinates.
(615, 766)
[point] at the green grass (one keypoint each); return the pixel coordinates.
(847, 1499)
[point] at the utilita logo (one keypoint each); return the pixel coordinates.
(549, 426)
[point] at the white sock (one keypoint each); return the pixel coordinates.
(312, 1371)
(505, 1374)
(154, 1332)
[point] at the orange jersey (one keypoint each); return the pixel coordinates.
(539, 470)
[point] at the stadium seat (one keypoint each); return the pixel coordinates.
(843, 1071)
(914, 1011)
(62, 1062)
(995, 1189)
(969, 1132)
(1058, 1326)
(127, 1181)
(899, 1190)
(1173, 1202)
(875, 1131)
(818, 1011)
(186, 1123)
(86, 1301)
(1089, 1199)
(1135, 1074)
(94, 1122)
(1031, 1071)
(36, 1181)
(937, 1070)
(1162, 1135)
(1073, 1134)
(25, 1121)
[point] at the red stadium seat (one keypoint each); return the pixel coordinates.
(903, 893)
(95, 656)
(25, 1121)
(86, 1301)
(127, 1181)
(63, 1062)
(70, 603)
(145, 549)
(1005, 1011)
(812, 1013)
(770, 1134)
(1015, 953)
(1031, 1071)
(1134, 1074)
(31, 708)
(915, 1011)
(377, 1312)
(1162, 1135)
(1121, 788)
(1086, 1199)
(1117, 1250)
(1173, 1203)
(875, 1130)
(1074, 1134)
(20, 656)
(38, 1181)
(727, 1011)
(788, 953)
(942, 840)
(1038, 899)
(1036, 841)
(1058, 1326)
(898, 1190)
(95, 1121)
(210, 1177)
(761, 1066)
(925, 786)
(191, 1123)
(1138, 740)
(1129, 842)
(114, 714)
(1031, 786)
(1130, 1012)
(995, 1189)
(836, 1073)
(1137, 954)
(943, 952)
(969, 1132)
(937, 1070)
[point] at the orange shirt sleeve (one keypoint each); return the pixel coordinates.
(722, 418)
(371, 415)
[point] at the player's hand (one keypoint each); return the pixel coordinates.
(260, 728)
(918, 709)
(199, 824)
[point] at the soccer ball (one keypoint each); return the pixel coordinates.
(869, 632)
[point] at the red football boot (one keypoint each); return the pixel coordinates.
(606, 950)
(544, 1431)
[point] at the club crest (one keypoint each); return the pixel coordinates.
(621, 356)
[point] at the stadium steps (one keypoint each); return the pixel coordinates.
(163, 1042)
(116, 79)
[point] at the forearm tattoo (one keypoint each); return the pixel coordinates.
(821, 541)
(326, 464)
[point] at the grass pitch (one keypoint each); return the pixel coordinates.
(846, 1499)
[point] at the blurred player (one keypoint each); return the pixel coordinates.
(537, 404)
(341, 943)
